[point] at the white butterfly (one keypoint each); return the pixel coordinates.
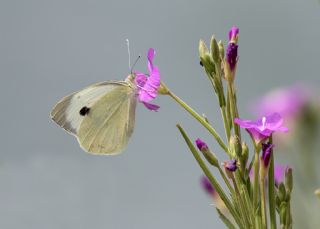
(102, 116)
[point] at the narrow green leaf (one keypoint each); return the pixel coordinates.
(225, 220)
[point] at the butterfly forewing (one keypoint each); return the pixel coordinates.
(101, 116)
(109, 125)
(67, 111)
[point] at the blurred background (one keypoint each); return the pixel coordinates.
(49, 49)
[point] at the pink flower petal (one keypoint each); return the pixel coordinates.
(150, 106)
(150, 88)
(151, 54)
(140, 79)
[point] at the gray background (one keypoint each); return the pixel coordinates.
(51, 48)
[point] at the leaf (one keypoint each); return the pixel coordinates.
(225, 220)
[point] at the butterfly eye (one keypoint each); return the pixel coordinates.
(84, 111)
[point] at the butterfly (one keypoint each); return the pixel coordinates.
(102, 116)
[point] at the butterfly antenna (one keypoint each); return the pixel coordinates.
(134, 64)
(128, 46)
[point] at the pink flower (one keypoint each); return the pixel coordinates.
(264, 127)
(279, 172)
(207, 186)
(287, 101)
(148, 84)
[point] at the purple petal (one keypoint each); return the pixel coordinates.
(234, 31)
(231, 165)
(150, 88)
(201, 145)
(140, 79)
(207, 186)
(263, 127)
(151, 54)
(257, 135)
(266, 153)
(232, 55)
(244, 123)
(150, 106)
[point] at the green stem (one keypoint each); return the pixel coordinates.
(244, 211)
(211, 178)
(201, 120)
(247, 199)
(263, 200)
(223, 175)
(225, 122)
(234, 109)
(256, 179)
(271, 191)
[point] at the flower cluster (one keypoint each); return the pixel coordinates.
(246, 195)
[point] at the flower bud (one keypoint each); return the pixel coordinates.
(282, 192)
(233, 34)
(231, 165)
(203, 50)
(236, 146)
(266, 154)
(245, 153)
(221, 49)
(210, 157)
(231, 55)
(289, 179)
(214, 48)
(205, 59)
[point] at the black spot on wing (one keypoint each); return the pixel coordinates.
(84, 111)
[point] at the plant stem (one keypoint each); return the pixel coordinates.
(263, 200)
(246, 195)
(225, 122)
(234, 109)
(211, 178)
(243, 210)
(201, 120)
(223, 175)
(271, 191)
(256, 179)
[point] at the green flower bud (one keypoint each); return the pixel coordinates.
(282, 192)
(245, 153)
(236, 146)
(221, 50)
(289, 179)
(203, 50)
(214, 48)
(205, 59)
(211, 157)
